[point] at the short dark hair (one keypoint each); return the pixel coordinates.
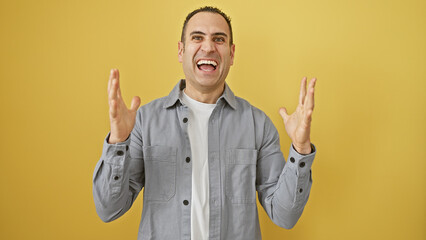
(207, 9)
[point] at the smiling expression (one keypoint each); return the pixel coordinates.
(206, 55)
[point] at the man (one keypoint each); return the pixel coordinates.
(201, 153)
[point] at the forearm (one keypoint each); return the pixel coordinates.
(113, 189)
(288, 199)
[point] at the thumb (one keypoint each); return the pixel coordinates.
(136, 101)
(283, 113)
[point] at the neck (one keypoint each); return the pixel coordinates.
(204, 95)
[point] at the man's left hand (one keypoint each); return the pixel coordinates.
(298, 124)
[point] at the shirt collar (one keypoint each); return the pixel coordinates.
(175, 94)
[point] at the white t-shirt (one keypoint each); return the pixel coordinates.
(199, 114)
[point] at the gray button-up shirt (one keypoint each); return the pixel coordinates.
(244, 156)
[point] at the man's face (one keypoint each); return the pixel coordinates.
(206, 55)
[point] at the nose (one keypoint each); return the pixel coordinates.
(208, 46)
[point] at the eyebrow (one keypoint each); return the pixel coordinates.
(214, 34)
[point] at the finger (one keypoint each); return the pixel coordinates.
(117, 74)
(113, 108)
(308, 117)
(302, 91)
(136, 101)
(312, 83)
(114, 87)
(119, 91)
(111, 74)
(118, 82)
(283, 113)
(310, 98)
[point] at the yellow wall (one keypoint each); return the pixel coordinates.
(369, 123)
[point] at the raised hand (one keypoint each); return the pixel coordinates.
(298, 124)
(122, 119)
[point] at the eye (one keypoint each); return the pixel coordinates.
(219, 39)
(197, 38)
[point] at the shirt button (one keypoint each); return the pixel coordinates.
(127, 148)
(120, 153)
(185, 120)
(300, 190)
(188, 159)
(292, 159)
(116, 177)
(185, 202)
(302, 164)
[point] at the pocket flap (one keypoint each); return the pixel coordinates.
(242, 156)
(159, 153)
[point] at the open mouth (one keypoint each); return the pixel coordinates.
(207, 65)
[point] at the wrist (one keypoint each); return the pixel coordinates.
(303, 149)
(114, 140)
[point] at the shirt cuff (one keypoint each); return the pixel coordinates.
(301, 162)
(115, 153)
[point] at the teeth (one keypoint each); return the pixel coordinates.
(207, 62)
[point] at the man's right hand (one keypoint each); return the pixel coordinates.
(122, 119)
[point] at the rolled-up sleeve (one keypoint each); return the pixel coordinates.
(283, 187)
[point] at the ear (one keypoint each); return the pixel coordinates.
(232, 54)
(180, 51)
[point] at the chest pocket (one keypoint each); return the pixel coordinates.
(160, 172)
(240, 178)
